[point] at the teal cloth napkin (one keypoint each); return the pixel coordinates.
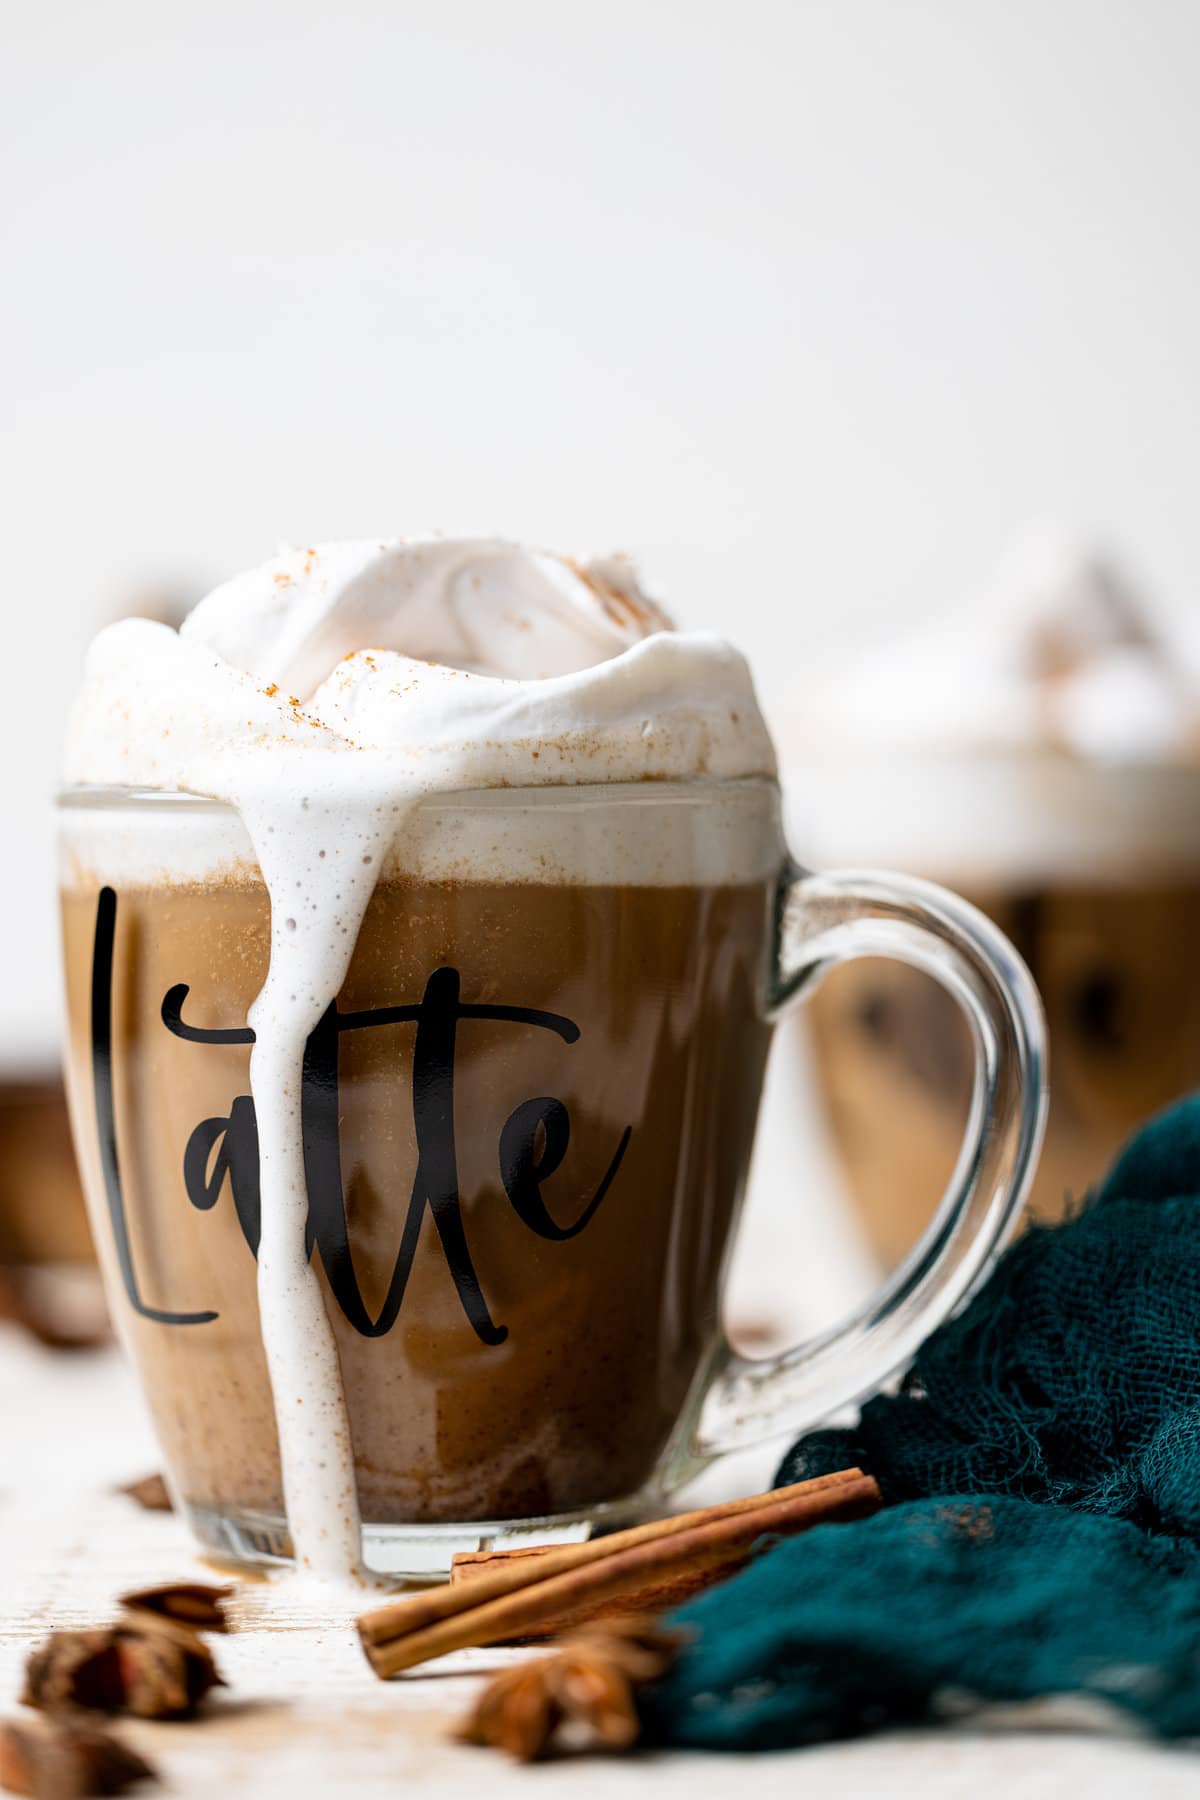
(1042, 1465)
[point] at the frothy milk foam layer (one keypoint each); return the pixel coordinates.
(327, 696)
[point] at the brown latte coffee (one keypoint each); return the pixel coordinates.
(527, 1121)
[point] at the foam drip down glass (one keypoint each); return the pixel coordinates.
(526, 1120)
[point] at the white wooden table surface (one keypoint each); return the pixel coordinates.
(304, 1716)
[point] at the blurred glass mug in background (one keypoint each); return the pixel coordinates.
(1042, 755)
(48, 1280)
(49, 1284)
(517, 1360)
(1108, 928)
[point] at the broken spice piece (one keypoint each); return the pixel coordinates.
(150, 1492)
(66, 1760)
(152, 1662)
(191, 1603)
(583, 1692)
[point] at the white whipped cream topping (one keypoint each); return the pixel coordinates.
(323, 695)
(1058, 653)
(513, 667)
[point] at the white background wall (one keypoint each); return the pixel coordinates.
(814, 303)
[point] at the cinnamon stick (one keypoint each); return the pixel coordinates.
(540, 1561)
(645, 1569)
(469, 1565)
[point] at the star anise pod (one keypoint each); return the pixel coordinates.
(152, 1662)
(584, 1691)
(66, 1760)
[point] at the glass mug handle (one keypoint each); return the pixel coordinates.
(824, 920)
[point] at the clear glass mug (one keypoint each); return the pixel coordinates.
(528, 1117)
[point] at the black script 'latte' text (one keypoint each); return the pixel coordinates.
(532, 1144)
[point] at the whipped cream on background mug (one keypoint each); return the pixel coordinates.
(486, 860)
(1038, 749)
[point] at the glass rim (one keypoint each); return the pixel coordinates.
(650, 790)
